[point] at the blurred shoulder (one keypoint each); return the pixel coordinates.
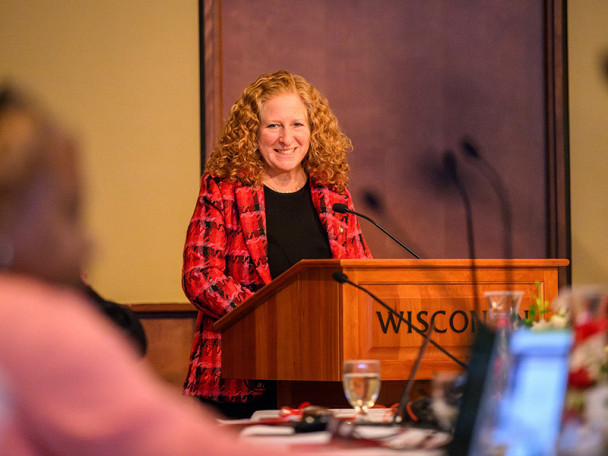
(36, 316)
(29, 295)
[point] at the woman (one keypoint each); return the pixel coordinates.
(70, 382)
(264, 204)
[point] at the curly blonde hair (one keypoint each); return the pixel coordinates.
(236, 156)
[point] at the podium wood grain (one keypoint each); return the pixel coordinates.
(302, 326)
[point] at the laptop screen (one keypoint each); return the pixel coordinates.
(479, 362)
(526, 417)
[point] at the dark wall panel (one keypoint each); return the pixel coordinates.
(408, 80)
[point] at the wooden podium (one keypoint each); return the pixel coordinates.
(300, 328)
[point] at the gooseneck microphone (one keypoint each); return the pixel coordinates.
(340, 277)
(491, 174)
(405, 396)
(450, 165)
(343, 209)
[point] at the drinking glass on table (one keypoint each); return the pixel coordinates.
(361, 381)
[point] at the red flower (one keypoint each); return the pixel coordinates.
(586, 330)
(580, 378)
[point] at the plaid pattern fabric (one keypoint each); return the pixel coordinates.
(225, 262)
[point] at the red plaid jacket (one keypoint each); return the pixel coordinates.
(225, 262)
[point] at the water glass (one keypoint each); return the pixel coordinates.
(361, 381)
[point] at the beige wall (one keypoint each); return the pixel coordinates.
(588, 45)
(124, 74)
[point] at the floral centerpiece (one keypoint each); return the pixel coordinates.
(585, 311)
(543, 316)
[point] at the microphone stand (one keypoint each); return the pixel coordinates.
(449, 162)
(497, 183)
(501, 192)
(450, 165)
(405, 397)
(387, 233)
(340, 277)
(342, 208)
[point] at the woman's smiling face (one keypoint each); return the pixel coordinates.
(284, 134)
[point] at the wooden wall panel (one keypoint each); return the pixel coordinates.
(169, 330)
(408, 81)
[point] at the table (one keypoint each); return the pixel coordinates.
(379, 430)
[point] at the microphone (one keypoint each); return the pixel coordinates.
(490, 173)
(343, 209)
(405, 396)
(340, 277)
(450, 164)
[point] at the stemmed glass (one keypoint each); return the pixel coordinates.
(503, 307)
(361, 381)
(503, 310)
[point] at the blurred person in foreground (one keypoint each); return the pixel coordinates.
(265, 203)
(70, 382)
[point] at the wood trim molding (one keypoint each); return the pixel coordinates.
(558, 173)
(162, 307)
(211, 75)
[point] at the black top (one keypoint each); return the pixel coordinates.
(293, 229)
